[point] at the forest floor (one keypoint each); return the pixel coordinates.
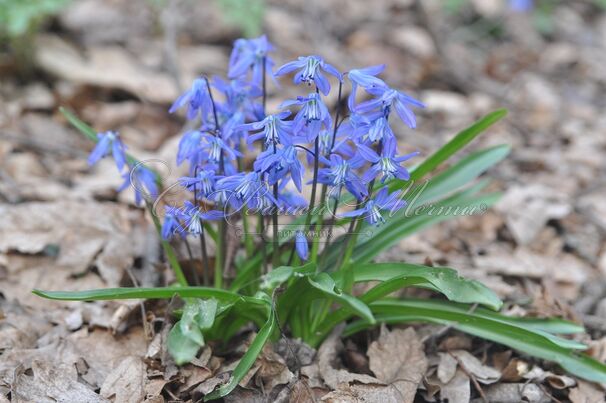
(120, 64)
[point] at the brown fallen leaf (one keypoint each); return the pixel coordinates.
(456, 390)
(107, 66)
(586, 392)
(482, 373)
(528, 208)
(126, 383)
(51, 384)
(327, 361)
(514, 393)
(397, 358)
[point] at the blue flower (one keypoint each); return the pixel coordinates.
(194, 217)
(197, 97)
(246, 189)
(290, 202)
(275, 130)
(387, 164)
(521, 5)
(239, 97)
(204, 182)
(311, 116)
(279, 163)
(143, 181)
(214, 146)
(380, 129)
(109, 141)
(310, 71)
(340, 173)
(386, 98)
(188, 145)
(171, 224)
(365, 78)
(247, 55)
(301, 245)
(383, 201)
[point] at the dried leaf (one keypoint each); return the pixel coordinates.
(586, 392)
(53, 384)
(327, 355)
(126, 383)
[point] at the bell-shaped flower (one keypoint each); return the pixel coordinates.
(311, 70)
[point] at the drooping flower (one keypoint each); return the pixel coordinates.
(246, 189)
(239, 96)
(194, 217)
(171, 224)
(311, 70)
(274, 129)
(282, 162)
(188, 145)
(248, 55)
(109, 142)
(383, 201)
(380, 129)
(214, 146)
(301, 245)
(340, 173)
(142, 180)
(365, 78)
(312, 115)
(198, 99)
(291, 202)
(203, 182)
(386, 98)
(387, 164)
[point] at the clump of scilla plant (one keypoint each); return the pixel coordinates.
(314, 197)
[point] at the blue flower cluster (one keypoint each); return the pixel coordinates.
(137, 176)
(349, 154)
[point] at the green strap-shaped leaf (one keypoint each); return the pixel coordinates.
(247, 360)
(395, 276)
(459, 141)
(441, 279)
(526, 340)
(394, 230)
(325, 284)
(147, 293)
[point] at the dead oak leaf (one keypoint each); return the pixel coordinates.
(126, 383)
(53, 384)
(398, 358)
(586, 392)
(327, 360)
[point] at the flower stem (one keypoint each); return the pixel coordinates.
(204, 258)
(168, 250)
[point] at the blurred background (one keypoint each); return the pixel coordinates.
(119, 64)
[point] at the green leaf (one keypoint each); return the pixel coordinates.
(206, 313)
(445, 280)
(418, 215)
(247, 360)
(282, 274)
(458, 175)
(180, 346)
(189, 325)
(395, 276)
(526, 340)
(325, 284)
(396, 229)
(459, 141)
(146, 293)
